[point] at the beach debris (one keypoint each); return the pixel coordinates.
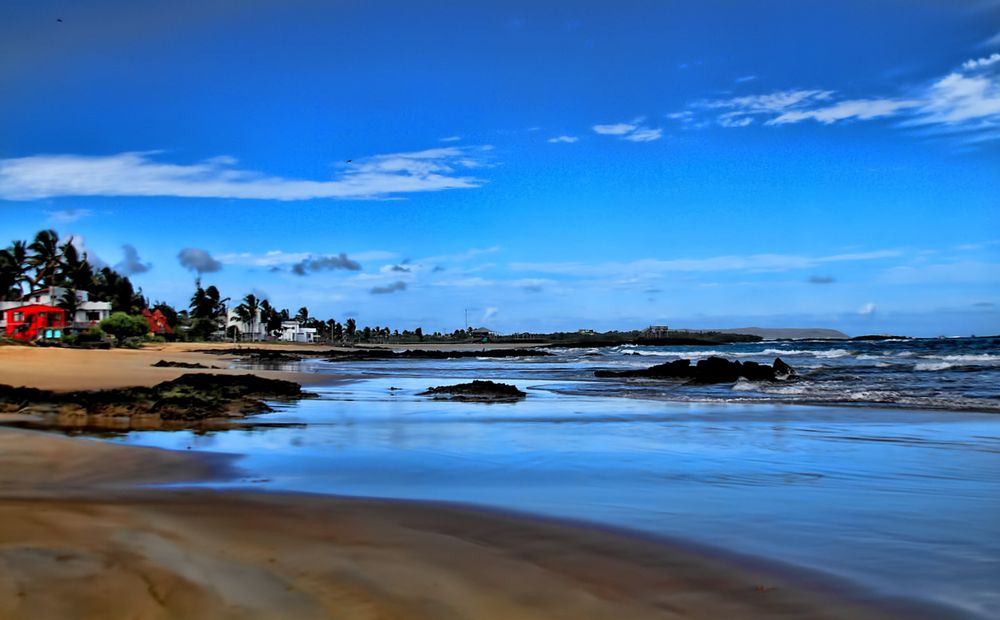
(476, 391)
(709, 370)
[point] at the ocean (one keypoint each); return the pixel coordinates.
(878, 465)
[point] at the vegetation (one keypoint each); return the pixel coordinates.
(124, 326)
(46, 262)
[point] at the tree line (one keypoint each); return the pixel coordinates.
(47, 261)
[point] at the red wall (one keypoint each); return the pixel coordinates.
(36, 319)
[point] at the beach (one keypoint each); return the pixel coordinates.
(78, 539)
(83, 535)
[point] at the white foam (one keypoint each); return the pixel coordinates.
(934, 366)
(982, 357)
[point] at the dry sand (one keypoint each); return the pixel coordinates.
(82, 369)
(80, 538)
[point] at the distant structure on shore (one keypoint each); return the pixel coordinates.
(293, 331)
(50, 313)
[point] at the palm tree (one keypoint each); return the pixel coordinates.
(14, 270)
(75, 271)
(70, 303)
(303, 315)
(247, 312)
(46, 258)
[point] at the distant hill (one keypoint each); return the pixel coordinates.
(789, 333)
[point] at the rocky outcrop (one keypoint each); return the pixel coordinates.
(173, 364)
(710, 370)
(189, 398)
(476, 391)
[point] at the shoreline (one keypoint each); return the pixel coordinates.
(70, 507)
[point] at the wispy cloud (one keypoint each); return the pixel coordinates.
(634, 131)
(860, 109)
(139, 174)
(563, 140)
(751, 263)
(745, 78)
(67, 216)
(451, 139)
(964, 102)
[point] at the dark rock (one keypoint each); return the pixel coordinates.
(710, 370)
(190, 397)
(172, 364)
(478, 391)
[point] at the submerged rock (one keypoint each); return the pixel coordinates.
(710, 370)
(477, 391)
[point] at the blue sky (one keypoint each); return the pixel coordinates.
(563, 166)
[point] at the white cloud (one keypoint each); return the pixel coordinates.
(67, 216)
(563, 140)
(137, 174)
(451, 139)
(272, 258)
(735, 121)
(644, 134)
(745, 78)
(965, 101)
(617, 129)
(489, 313)
(868, 308)
(958, 98)
(861, 109)
(979, 63)
(633, 131)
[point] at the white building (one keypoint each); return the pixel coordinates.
(292, 331)
(88, 313)
(254, 331)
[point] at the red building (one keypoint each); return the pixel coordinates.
(34, 321)
(157, 322)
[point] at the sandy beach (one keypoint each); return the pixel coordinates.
(77, 539)
(80, 538)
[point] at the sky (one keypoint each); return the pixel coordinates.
(533, 166)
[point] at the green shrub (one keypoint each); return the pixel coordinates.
(123, 326)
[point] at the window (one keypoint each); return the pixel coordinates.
(93, 315)
(18, 316)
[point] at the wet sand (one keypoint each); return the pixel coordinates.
(79, 539)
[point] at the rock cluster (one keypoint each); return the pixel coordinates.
(710, 370)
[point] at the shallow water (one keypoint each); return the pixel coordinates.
(904, 502)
